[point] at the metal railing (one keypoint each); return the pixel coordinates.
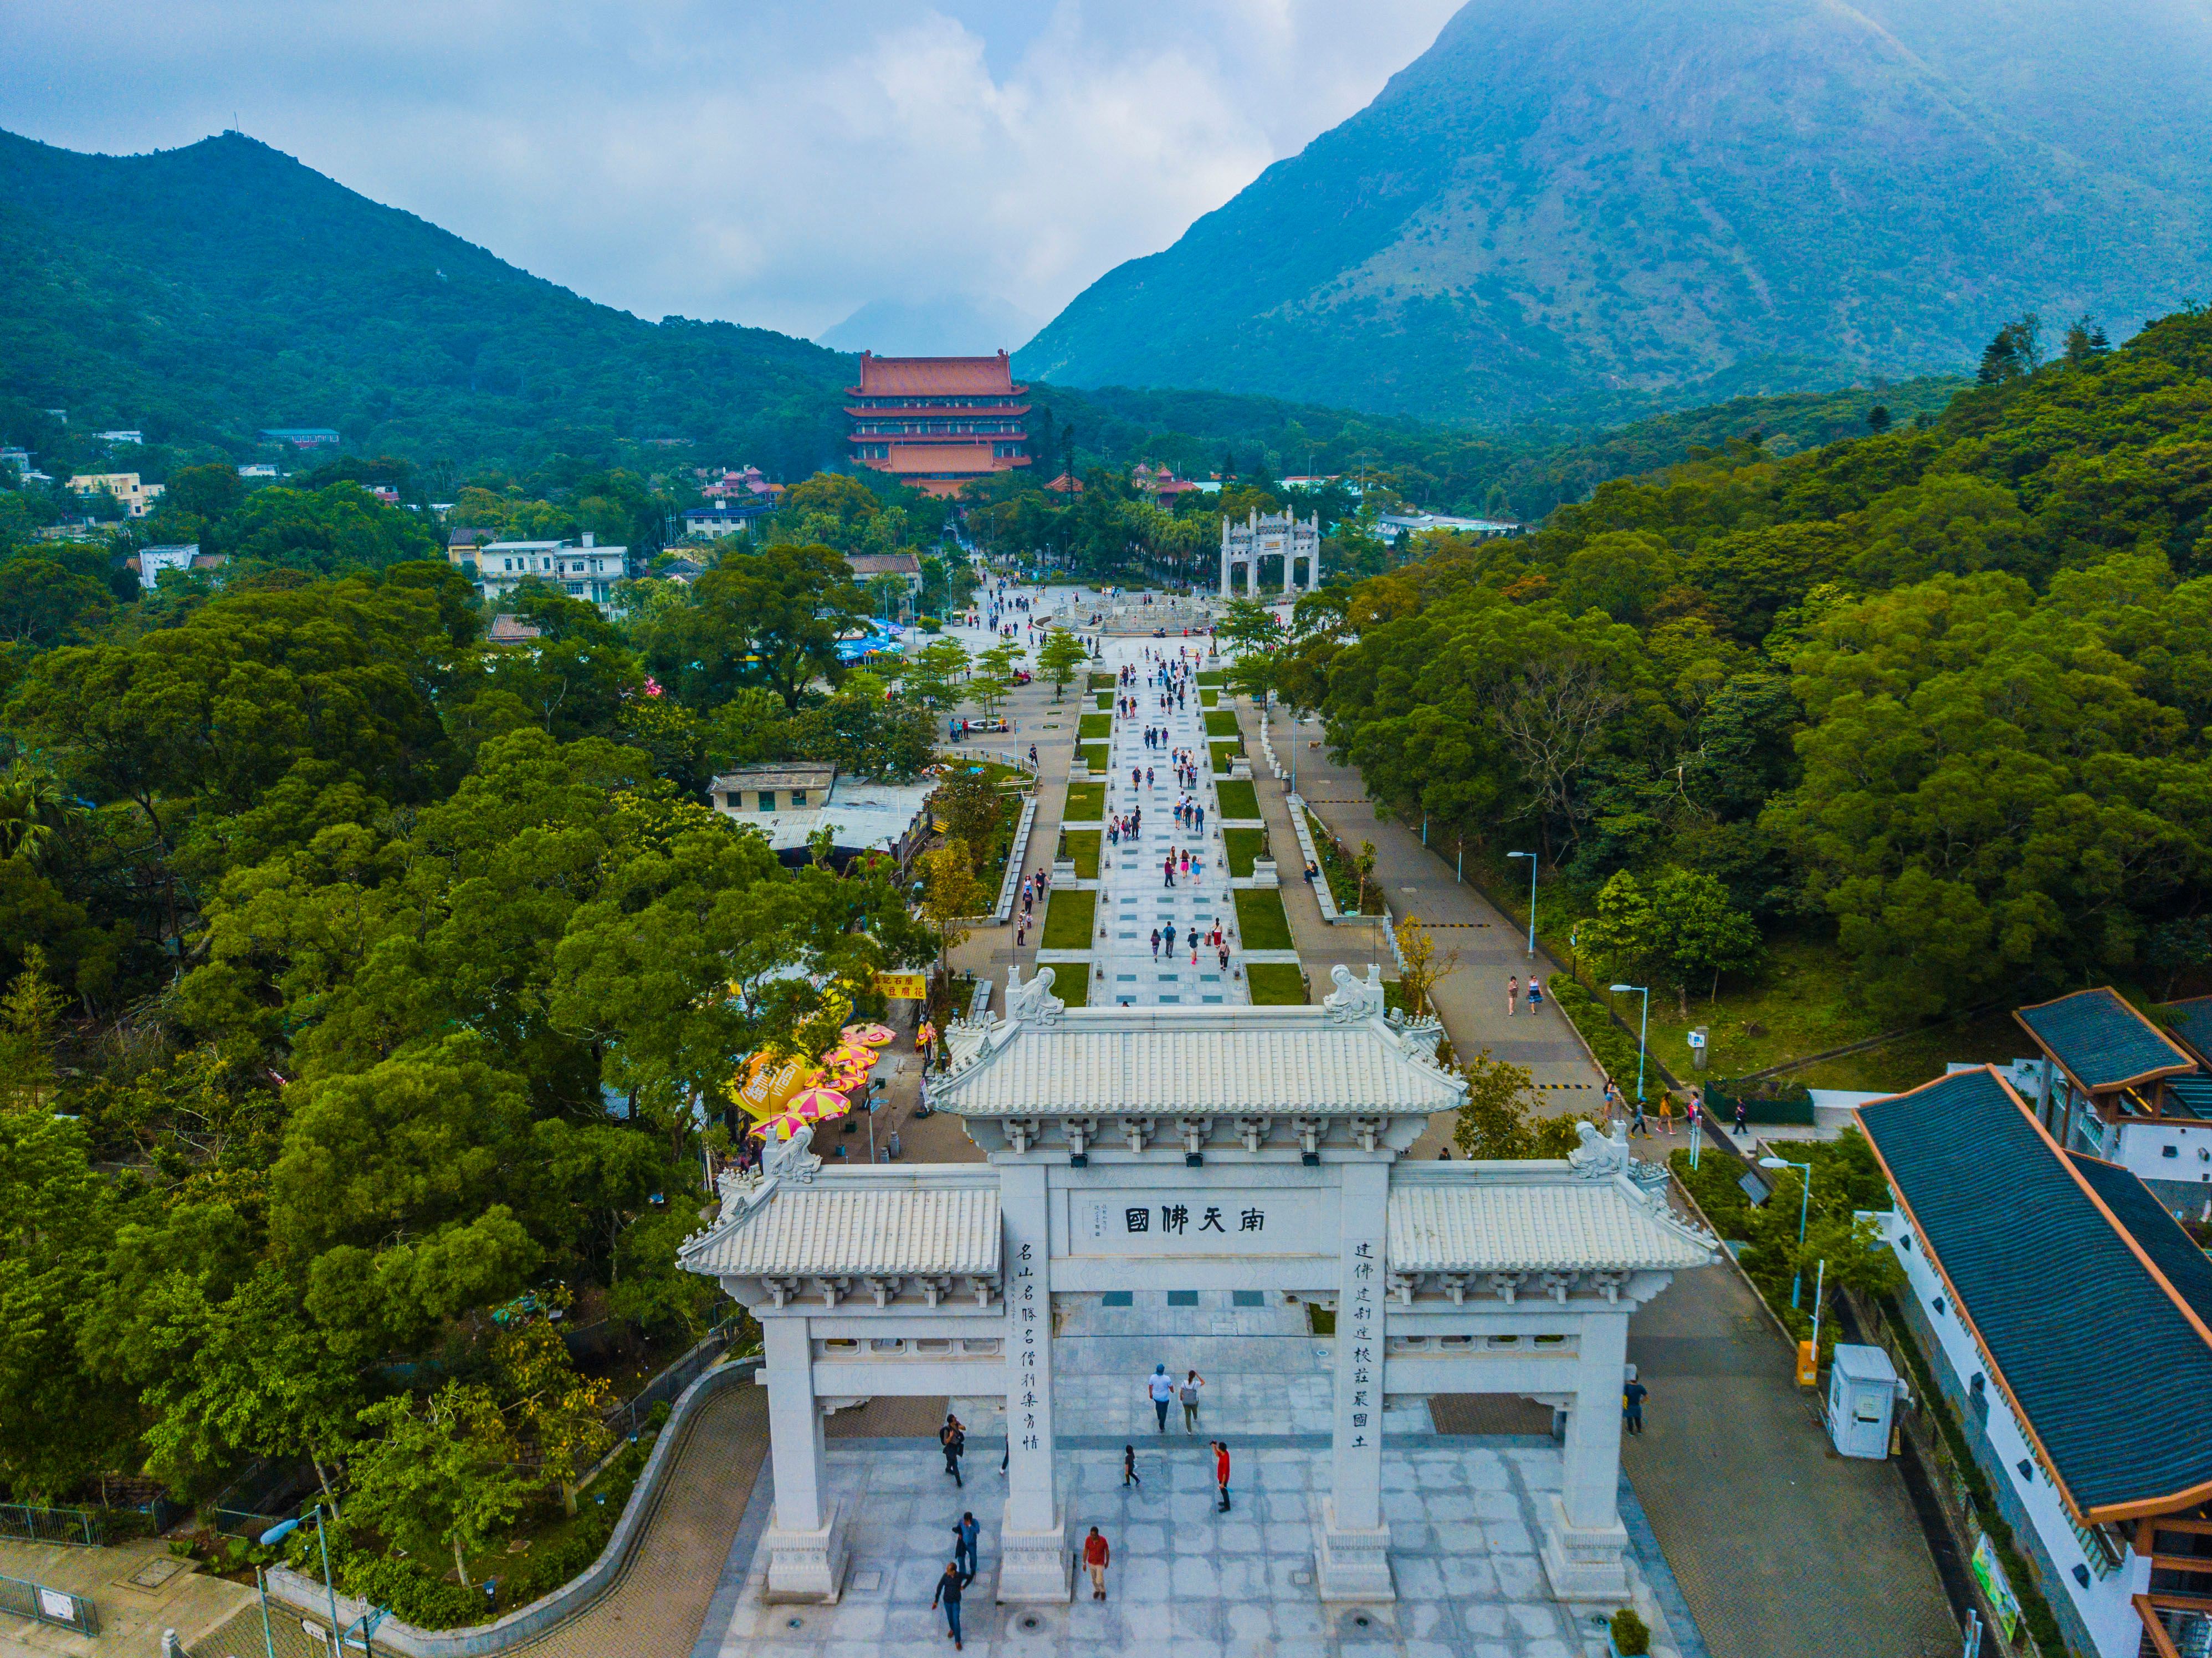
(48, 1606)
(85, 1528)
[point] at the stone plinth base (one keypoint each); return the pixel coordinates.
(1240, 769)
(1035, 1566)
(1264, 873)
(1584, 1563)
(1351, 1563)
(807, 1564)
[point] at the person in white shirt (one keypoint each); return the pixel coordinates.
(1161, 1387)
(1192, 1386)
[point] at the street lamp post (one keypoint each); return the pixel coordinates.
(277, 1534)
(1531, 857)
(1804, 1209)
(1643, 1031)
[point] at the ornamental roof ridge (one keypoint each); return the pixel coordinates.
(1045, 1058)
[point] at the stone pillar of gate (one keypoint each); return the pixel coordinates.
(1584, 1542)
(806, 1554)
(1352, 1542)
(1034, 1563)
(1225, 593)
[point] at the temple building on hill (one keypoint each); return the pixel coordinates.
(936, 422)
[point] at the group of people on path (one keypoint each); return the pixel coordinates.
(1513, 994)
(1034, 887)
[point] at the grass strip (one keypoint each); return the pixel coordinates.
(1085, 801)
(1094, 756)
(1276, 984)
(1094, 727)
(1067, 917)
(1225, 754)
(1238, 798)
(1244, 845)
(1222, 722)
(1261, 921)
(1082, 844)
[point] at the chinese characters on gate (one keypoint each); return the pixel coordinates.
(1175, 1219)
(1360, 1334)
(1025, 1313)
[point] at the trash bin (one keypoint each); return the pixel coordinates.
(1863, 1393)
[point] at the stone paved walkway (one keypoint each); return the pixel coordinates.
(1135, 899)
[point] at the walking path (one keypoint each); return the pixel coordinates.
(1138, 900)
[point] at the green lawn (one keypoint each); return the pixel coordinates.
(1067, 918)
(1209, 699)
(1239, 798)
(1071, 983)
(1276, 983)
(1082, 844)
(1244, 845)
(1086, 801)
(1102, 682)
(1224, 754)
(1222, 722)
(1106, 702)
(1094, 728)
(1094, 756)
(1214, 677)
(1261, 922)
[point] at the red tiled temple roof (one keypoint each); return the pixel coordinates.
(965, 377)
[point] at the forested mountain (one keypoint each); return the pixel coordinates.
(1559, 201)
(203, 292)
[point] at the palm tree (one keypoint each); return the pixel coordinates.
(32, 808)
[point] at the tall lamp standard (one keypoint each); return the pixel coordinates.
(1804, 1208)
(1643, 1031)
(277, 1534)
(1531, 857)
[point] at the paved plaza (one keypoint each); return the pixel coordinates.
(1465, 1513)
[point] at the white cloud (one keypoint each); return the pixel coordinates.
(771, 163)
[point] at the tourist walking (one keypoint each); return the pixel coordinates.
(1161, 1387)
(1221, 1472)
(1193, 1385)
(1096, 1554)
(954, 1438)
(1512, 994)
(965, 1532)
(1639, 1126)
(948, 1596)
(1612, 1099)
(1631, 1406)
(1535, 994)
(1667, 1114)
(1129, 1465)
(1739, 1117)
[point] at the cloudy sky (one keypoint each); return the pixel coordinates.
(768, 162)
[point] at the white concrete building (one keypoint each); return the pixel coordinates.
(1284, 536)
(1228, 1148)
(791, 802)
(581, 569)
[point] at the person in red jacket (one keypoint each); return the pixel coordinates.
(1094, 1556)
(1221, 1472)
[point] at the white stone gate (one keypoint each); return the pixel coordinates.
(1250, 1148)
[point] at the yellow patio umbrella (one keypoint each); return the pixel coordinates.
(875, 1035)
(770, 1080)
(809, 1107)
(848, 1054)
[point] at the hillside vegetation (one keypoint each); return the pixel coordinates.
(1935, 699)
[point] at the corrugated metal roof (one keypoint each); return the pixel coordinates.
(1197, 1061)
(1563, 1225)
(832, 1228)
(2100, 1358)
(2101, 1040)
